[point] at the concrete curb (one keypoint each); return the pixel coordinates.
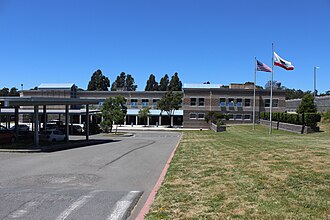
(152, 195)
(130, 201)
(56, 147)
(114, 135)
(21, 150)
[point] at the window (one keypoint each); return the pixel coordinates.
(247, 117)
(275, 103)
(267, 103)
(201, 102)
(238, 117)
(192, 101)
(231, 102)
(247, 102)
(231, 116)
(145, 102)
(200, 115)
(192, 116)
(222, 102)
(239, 102)
(134, 102)
(154, 102)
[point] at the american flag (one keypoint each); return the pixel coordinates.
(263, 67)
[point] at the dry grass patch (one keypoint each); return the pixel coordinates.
(247, 174)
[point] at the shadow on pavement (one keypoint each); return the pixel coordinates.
(75, 144)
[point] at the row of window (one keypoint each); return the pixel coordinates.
(144, 103)
(222, 103)
(231, 102)
(231, 116)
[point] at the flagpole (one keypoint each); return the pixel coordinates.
(254, 93)
(271, 92)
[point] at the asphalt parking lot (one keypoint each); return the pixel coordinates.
(101, 181)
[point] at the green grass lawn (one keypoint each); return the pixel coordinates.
(247, 174)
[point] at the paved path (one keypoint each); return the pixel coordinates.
(95, 182)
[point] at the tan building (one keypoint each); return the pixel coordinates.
(236, 101)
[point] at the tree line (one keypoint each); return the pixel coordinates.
(125, 82)
(9, 92)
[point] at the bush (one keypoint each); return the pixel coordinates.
(214, 117)
(309, 119)
(326, 116)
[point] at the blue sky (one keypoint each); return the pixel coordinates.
(60, 41)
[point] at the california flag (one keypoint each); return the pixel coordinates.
(278, 61)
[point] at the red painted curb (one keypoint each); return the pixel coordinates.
(152, 195)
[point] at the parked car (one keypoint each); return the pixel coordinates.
(75, 129)
(52, 135)
(6, 136)
(20, 128)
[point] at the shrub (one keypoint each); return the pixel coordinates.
(214, 117)
(309, 119)
(326, 116)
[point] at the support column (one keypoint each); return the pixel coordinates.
(79, 119)
(36, 123)
(172, 121)
(67, 123)
(44, 112)
(136, 120)
(125, 120)
(160, 120)
(32, 121)
(16, 121)
(148, 121)
(8, 121)
(87, 122)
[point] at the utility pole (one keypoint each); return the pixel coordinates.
(315, 67)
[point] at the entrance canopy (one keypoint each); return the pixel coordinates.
(16, 102)
(34, 101)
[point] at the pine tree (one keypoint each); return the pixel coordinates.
(124, 83)
(98, 82)
(129, 84)
(164, 83)
(307, 104)
(152, 84)
(175, 83)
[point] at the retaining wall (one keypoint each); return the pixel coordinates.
(300, 129)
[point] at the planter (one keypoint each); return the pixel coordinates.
(300, 129)
(216, 128)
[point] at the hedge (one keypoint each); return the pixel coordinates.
(308, 119)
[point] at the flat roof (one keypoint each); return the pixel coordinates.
(201, 86)
(4, 111)
(55, 86)
(33, 101)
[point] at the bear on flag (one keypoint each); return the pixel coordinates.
(278, 61)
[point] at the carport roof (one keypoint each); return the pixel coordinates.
(33, 101)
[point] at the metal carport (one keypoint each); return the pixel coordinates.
(16, 102)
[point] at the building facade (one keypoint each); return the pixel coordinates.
(235, 100)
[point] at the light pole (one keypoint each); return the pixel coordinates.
(315, 67)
